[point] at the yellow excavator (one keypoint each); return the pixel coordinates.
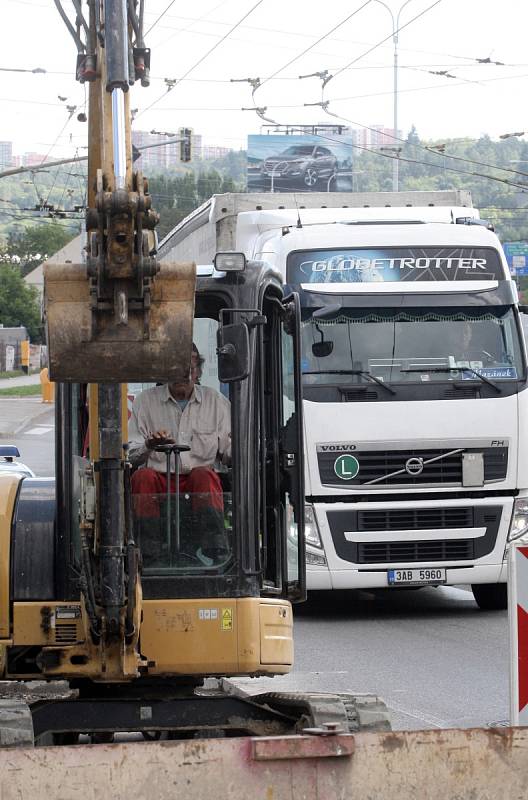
(104, 638)
(81, 598)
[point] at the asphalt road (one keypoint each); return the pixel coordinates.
(435, 658)
(36, 444)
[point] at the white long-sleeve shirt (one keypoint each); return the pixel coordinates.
(204, 424)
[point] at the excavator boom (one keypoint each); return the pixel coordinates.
(119, 315)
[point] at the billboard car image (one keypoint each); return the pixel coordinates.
(309, 163)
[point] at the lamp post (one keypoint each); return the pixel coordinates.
(395, 26)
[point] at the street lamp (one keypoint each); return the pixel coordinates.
(395, 26)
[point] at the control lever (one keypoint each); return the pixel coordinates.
(172, 448)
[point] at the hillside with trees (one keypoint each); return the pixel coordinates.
(496, 172)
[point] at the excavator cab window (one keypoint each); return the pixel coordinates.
(185, 528)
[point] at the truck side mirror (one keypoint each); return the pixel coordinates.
(233, 352)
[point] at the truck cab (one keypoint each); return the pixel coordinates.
(414, 378)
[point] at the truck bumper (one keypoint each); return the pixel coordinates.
(479, 525)
(375, 579)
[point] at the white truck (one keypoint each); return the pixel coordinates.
(414, 380)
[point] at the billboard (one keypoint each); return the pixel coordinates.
(299, 163)
(517, 257)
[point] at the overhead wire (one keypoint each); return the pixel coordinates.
(348, 42)
(206, 55)
(160, 17)
(314, 44)
(390, 36)
(190, 27)
(428, 149)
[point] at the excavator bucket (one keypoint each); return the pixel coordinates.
(146, 341)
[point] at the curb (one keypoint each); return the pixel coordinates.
(26, 421)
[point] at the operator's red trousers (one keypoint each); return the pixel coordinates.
(202, 483)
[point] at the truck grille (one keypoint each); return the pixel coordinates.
(376, 464)
(415, 548)
(414, 519)
(397, 552)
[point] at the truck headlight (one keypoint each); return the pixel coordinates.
(519, 523)
(311, 531)
(315, 559)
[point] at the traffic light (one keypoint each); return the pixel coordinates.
(186, 153)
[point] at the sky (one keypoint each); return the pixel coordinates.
(277, 41)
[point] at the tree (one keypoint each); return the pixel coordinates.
(34, 245)
(19, 303)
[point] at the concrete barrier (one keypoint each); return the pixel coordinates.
(476, 764)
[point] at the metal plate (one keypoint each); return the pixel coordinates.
(426, 576)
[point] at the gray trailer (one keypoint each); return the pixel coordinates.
(213, 227)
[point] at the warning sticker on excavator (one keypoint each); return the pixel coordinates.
(227, 619)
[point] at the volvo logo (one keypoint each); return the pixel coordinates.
(414, 466)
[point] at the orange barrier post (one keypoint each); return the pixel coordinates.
(46, 386)
(24, 355)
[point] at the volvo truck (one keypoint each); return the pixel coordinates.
(414, 378)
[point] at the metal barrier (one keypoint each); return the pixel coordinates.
(472, 764)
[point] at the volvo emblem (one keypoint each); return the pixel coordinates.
(414, 466)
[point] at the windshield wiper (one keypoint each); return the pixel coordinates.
(352, 372)
(455, 369)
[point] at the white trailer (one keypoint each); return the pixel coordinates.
(414, 380)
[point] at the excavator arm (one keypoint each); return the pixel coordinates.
(119, 315)
(116, 316)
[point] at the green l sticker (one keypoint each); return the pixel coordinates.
(346, 467)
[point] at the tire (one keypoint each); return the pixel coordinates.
(310, 177)
(490, 596)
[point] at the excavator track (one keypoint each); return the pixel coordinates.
(16, 724)
(347, 713)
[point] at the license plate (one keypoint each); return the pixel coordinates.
(416, 577)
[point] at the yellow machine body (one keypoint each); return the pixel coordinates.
(248, 636)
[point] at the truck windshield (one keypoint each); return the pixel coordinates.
(411, 345)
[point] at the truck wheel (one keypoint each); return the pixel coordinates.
(490, 596)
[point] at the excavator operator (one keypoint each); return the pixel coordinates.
(187, 414)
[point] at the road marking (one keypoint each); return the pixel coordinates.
(39, 430)
(415, 713)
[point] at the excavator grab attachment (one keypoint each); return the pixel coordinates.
(152, 344)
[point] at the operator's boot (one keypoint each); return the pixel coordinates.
(209, 525)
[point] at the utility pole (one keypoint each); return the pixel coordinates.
(395, 25)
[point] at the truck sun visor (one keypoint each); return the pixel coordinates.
(394, 264)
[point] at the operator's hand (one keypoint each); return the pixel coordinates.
(159, 437)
